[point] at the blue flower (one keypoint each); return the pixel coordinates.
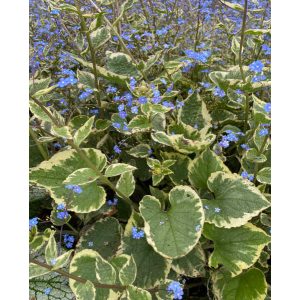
(219, 92)
(259, 78)
(33, 222)
(116, 125)
(224, 142)
(267, 107)
(245, 147)
(62, 215)
(121, 107)
(137, 234)
(123, 114)
(206, 85)
(75, 188)
(52, 261)
(263, 132)
(175, 288)
(113, 202)
(117, 149)
(257, 66)
(142, 100)
(266, 49)
(47, 291)
(132, 83)
(69, 240)
(61, 206)
(111, 89)
(134, 109)
(217, 209)
(197, 227)
(244, 174)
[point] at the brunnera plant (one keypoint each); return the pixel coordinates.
(150, 173)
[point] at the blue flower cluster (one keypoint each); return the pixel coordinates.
(198, 56)
(176, 289)
(219, 92)
(33, 222)
(75, 188)
(230, 136)
(245, 175)
(137, 234)
(112, 202)
(86, 93)
(62, 211)
(69, 240)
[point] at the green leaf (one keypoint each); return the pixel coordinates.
(86, 78)
(38, 85)
(77, 122)
(191, 265)
(194, 112)
(255, 157)
(121, 64)
(151, 267)
(62, 260)
(203, 166)
(99, 37)
(88, 264)
(85, 291)
(180, 168)
(234, 6)
(83, 132)
(139, 123)
(105, 235)
(264, 175)
(238, 200)
(173, 233)
(52, 173)
(260, 140)
(39, 113)
(250, 285)
(126, 184)
(141, 150)
(51, 249)
(81, 176)
(235, 248)
(36, 270)
(126, 267)
(135, 293)
(118, 169)
(102, 124)
(43, 92)
(63, 131)
(257, 31)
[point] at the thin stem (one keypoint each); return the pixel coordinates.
(72, 228)
(39, 145)
(242, 40)
(83, 280)
(92, 51)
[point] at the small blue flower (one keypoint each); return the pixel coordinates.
(132, 83)
(33, 222)
(117, 149)
(61, 206)
(250, 177)
(259, 78)
(111, 89)
(217, 209)
(123, 114)
(219, 92)
(245, 147)
(197, 227)
(69, 240)
(62, 215)
(137, 234)
(224, 143)
(53, 261)
(263, 132)
(244, 174)
(113, 202)
(175, 288)
(267, 107)
(47, 291)
(142, 100)
(90, 244)
(116, 125)
(256, 66)
(134, 109)
(121, 107)
(75, 188)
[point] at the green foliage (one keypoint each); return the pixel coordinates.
(147, 150)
